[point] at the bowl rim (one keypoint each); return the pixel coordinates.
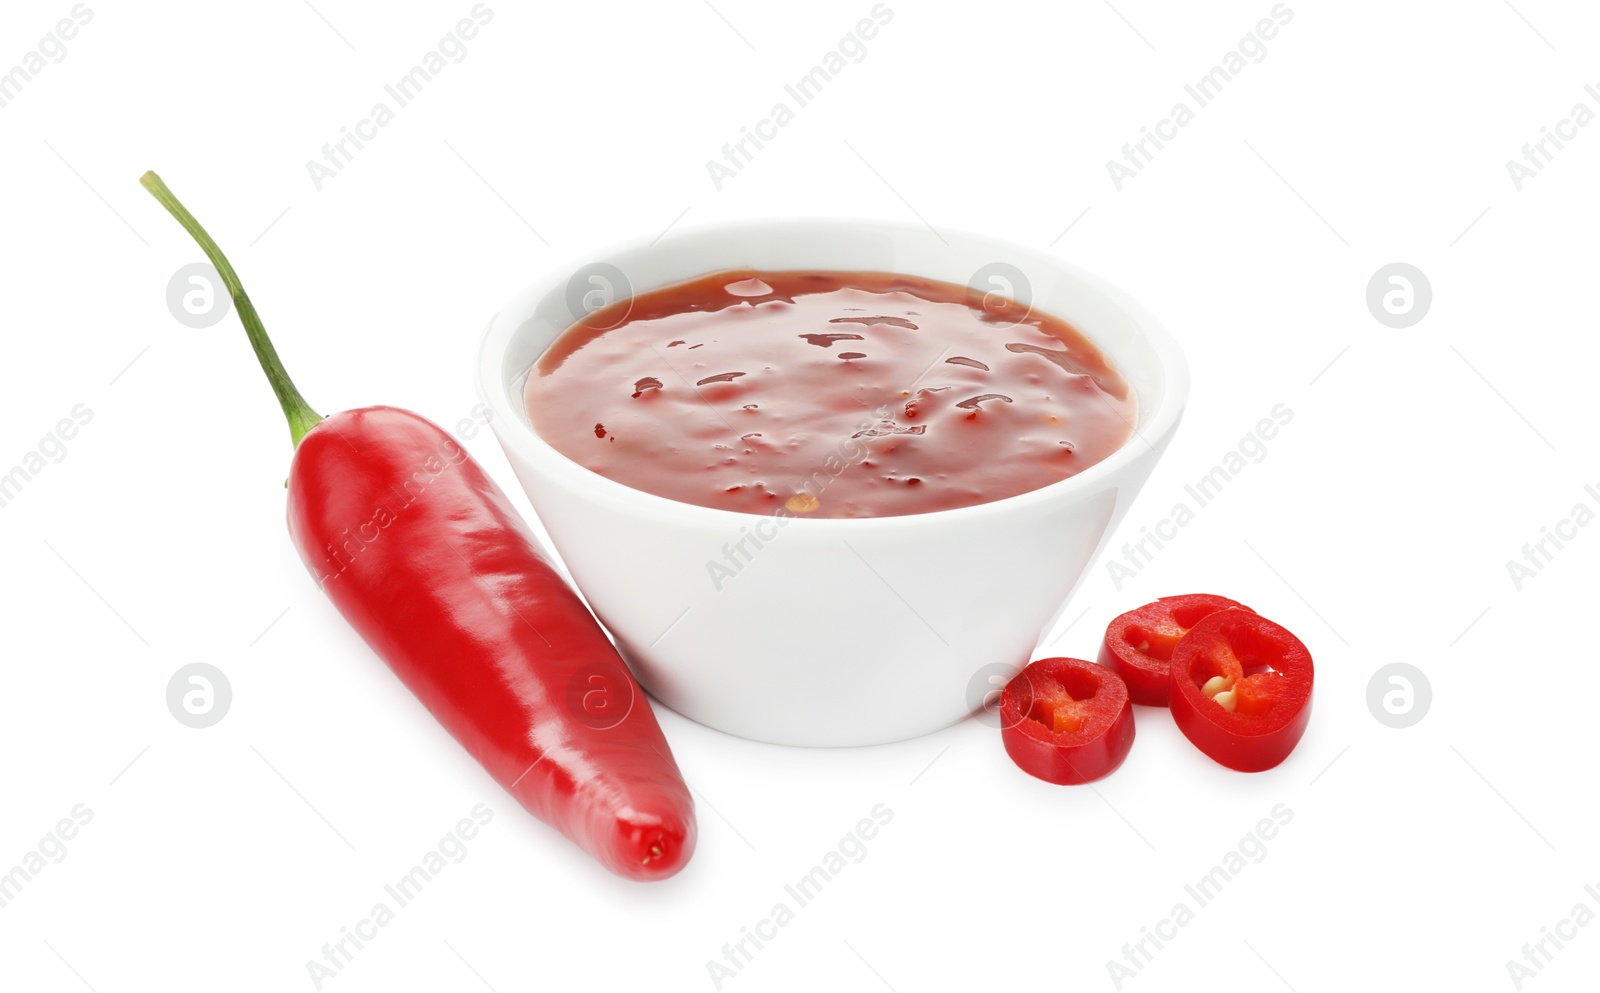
(1149, 433)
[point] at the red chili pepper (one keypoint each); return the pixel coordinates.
(1241, 689)
(1066, 720)
(426, 558)
(1138, 645)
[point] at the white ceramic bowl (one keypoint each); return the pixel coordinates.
(836, 632)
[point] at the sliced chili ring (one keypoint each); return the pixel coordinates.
(1066, 720)
(1138, 645)
(1241, 689)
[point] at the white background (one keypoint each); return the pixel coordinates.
(1378, 527)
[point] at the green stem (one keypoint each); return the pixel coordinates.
(301, 417)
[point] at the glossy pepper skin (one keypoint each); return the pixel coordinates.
(1066, 721)
(425, 557)
(1138, 645)
(1269, 673)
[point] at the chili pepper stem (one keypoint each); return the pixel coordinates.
(299, 413)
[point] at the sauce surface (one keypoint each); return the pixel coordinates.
(827, 394)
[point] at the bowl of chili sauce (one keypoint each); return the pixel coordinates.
(817, 477)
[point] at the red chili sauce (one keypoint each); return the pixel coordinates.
(827, 394)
